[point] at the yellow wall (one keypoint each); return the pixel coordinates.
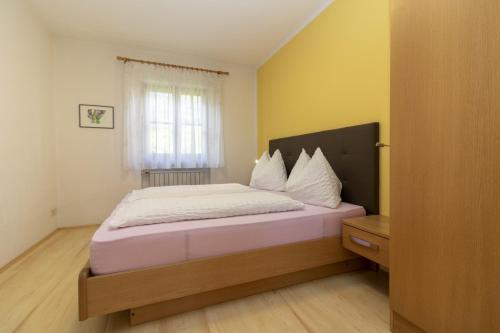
(334, 73)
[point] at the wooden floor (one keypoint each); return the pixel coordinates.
(38, 293)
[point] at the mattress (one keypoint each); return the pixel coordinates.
(119, 250)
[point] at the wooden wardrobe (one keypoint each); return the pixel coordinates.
(445, 166)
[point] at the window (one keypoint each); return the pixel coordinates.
(173, 119)
(177, 117)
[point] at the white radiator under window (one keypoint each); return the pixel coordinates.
(169, 177)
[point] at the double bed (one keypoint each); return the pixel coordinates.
(161, 269)
(126, 249)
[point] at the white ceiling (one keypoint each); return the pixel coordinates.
(237, 31)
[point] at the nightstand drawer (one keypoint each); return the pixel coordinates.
(366, 244)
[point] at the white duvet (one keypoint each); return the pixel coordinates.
(185, 191)
(183, 203)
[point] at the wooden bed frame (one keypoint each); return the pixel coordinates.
(153, 293)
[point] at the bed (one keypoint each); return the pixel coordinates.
(158, 270)
(127, 249)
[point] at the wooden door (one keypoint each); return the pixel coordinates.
(445, 164)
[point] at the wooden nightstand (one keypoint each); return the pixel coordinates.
(368, 236)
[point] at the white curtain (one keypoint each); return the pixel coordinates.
(173, 118)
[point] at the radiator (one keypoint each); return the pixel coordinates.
(169, 177)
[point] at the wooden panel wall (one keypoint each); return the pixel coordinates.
(445, 164)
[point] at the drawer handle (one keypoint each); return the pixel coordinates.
(364, 243)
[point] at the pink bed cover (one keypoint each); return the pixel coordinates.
(125, 249)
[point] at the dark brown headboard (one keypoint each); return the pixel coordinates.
(352, 153)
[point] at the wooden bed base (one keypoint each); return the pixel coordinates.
(153, 293)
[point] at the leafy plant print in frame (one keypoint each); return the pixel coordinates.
(96, 116)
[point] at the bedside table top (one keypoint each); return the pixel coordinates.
(375, 224)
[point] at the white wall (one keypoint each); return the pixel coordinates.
(27, 168)
(90, 182)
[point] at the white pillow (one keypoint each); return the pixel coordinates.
(270, 175)
(299, 166)
(259, 168)
(317, 184)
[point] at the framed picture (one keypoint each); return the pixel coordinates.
(96, 116)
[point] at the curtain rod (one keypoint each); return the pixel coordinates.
(125, 60)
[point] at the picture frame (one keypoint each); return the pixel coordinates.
(96, 116)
